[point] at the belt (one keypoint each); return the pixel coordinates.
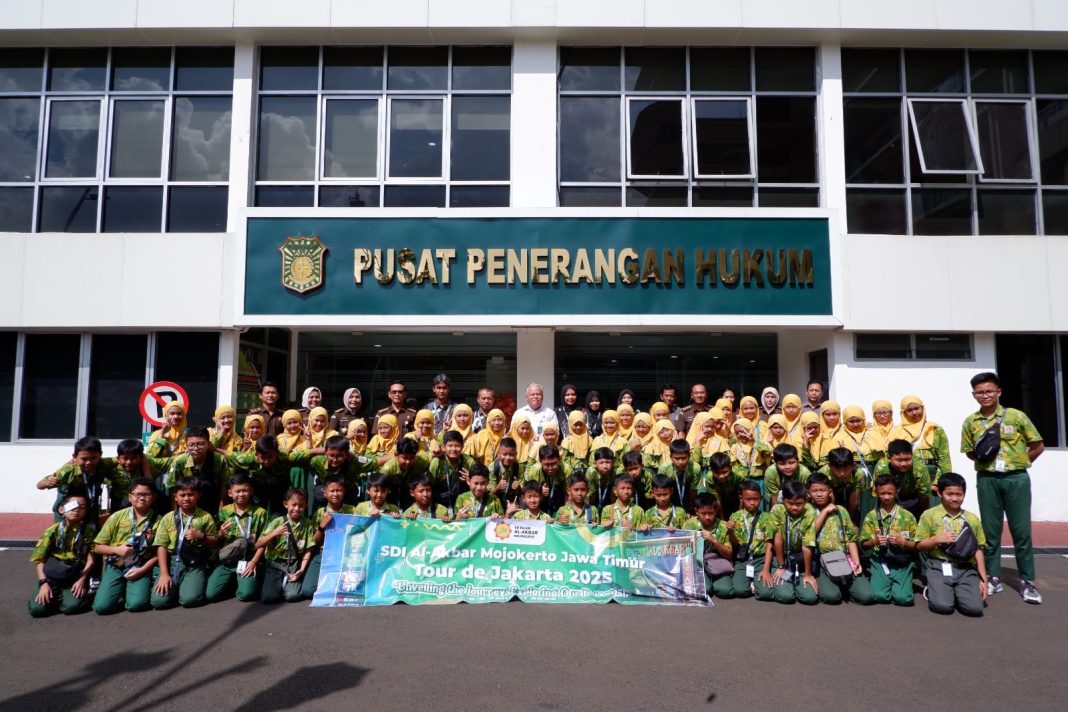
(987, 473)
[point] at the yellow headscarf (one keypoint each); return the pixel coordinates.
(727, 407)
(749, 399)
(649, 436)
(229, 441)
(422, 416)
(463, 408)
(174, 435)
(693, 435)
(384, 445)
(829, 438)
(577, 443)
(791, 425)
(615, 441)
(657, 447)
(882, 405)
(919, 432)
(244, 431)
(862, 439)
(807, 418)
(292, 443)
(523, 446)
(483, 447)
(780, 420)
(713, 443)
(830, 407)
(357, 445)
(317, 438)
(550, 427)
(659, 411)
(625, 408)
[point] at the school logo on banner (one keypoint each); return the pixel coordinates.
(302, 263)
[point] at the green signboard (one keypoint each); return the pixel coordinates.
(445, 266)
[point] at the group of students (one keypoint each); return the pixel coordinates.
(786, 517)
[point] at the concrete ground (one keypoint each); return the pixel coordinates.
(737, 655)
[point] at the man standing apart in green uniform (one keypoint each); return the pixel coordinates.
(1002, 481)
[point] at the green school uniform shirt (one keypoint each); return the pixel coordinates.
(490, 505)
(107, 472)
(573, 461)
(568, 515)
(778, 518)
(534, 472)
(275, 477)
(837, 532)
(898, 521)
(64, 543)
(253, 521)
(397, 476)
(120, 527)
(773, 481)
(674, 516)
(183, 466)
(439, 512)
(615, 514)
(600, 486)
(755, 464)
(693, 475)
(729, 490)
(440, 467)
(363, 509)
(354, 472)
(938, 451)
(1017, 432)
(524, 514)
(719, 530)
(317, 518)
(303, 539)
(915, 484)
(741, 531)
(167, 531)
(854, 482)
(937, 520)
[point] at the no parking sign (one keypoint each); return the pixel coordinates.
(156, 398)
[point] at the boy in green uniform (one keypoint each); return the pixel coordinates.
(422, 493)
(845, 480)
(288, 543)
(911, 475)
(505, 475)
(601, 477)
(269, 468)
(786, 467)
(377, 496)
(477, 502)
(622, 512)
(553, 475)
(87, 474)
(833, 530)
(334, 492)
(717, 545)
(408, 464)
(184, 540)
(952, 582)
(448, 471)
(890, 533)
(576, 509)
(684, 471)
(663, 514)
(631, 463)
(63, 560)
(242, 520)
(1002, 481)
(724, 481)
(125, 542)
(200, 461)
(747, 533)
(787, 523)
(532, 498)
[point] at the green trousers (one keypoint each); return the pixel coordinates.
(310, 582)
(63, 600)
(188, 592)
(737, 585)
(959, 590)
(1006, 496)
(894, 587)
(795, 590)
(224, 582)
(858, 591)
(117, 592)
(276, 587)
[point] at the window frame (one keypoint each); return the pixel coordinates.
(165, 145)
(973, 137)
(912, 347)
(683, 137)
(45, 146)
(750, 127)
(379, 140)
(1032, 139)
(446, 140)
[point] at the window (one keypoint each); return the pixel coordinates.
(126, 139)
(698, 126)
(920, 347)
(374, 126)
(64, 386)
(1032, 369)
(955, 142)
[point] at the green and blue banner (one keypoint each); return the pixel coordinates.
(375, 561)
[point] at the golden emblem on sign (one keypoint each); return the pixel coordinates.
(302, 263)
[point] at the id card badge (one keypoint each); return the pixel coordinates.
(750, 571)
(886, 569)
(241, 565)
(999, 464)
(947, 568)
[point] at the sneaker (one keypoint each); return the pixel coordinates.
(993, 585)
(1029, 593)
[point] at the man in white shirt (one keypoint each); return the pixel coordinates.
(540, 415)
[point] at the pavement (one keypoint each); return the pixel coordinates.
(737, 655)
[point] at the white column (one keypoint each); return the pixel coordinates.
(241, 118)
(832, 150)
(534, 363)
(534, 124)
(229, 359)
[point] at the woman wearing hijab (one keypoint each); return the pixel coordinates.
(809, 438)
(423, 432)
(569, 402)
(641, 432)
(831, 435)
(223, 434)
(610, 436)
(594, 410)
(626, 420)
(749, 409)
(311, 398)
(749, 457)
(255, 427)
(319, 428)
(791, 411)
(864, 446)
(523, 433)
(169, 440)
(576, 448)
(626, 396)
(769, 403)
(352, 407)
(882, 422)
(292, 437)
(383, 443)
(778, 431)
(462, 419)
(704, 434)
(929, 441)
(483, 446)
(656, 450)
(356, 434)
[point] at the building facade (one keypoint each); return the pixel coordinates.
(611, 194)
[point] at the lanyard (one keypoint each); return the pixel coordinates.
(247, 532)
(680, 485)
(752, 533)
(885, 522)
(134, 529)
(789, 534)
(184, 524)
(91, 489)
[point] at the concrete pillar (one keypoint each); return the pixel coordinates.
(534, 124)
(535, 361)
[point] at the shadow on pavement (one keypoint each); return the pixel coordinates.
(304, 685)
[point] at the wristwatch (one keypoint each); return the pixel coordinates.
(42, 582)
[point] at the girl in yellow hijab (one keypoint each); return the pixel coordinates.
(704, 436)
(356, 433)
(809, 438)
(642, 432)
(749, 409)
(831, 435)
(293, 439)
(626, 420)
(863, 444)
(577, 447)
(423, 432)
(384, 442)
(610, 436)
(791, 411)
(660, 411)
(483, 446)
(169, 440)
(319, 427)
(778, 431)
(882, 422)
(929, 441)
(728, 414)
(656, 450)
(550, 435)
(255, 427)
(462, 415)
(223, 434)
(523, 434)
(749, 458)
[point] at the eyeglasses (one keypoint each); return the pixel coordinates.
(981, 394)
(140, 495)
(396, 391)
